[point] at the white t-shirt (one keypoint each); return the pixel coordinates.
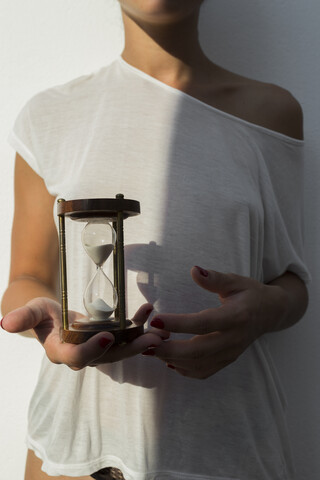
(215, 191)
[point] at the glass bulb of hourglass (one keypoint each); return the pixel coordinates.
(98, 240)
(100, 298)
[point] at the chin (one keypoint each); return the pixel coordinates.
(159, 11)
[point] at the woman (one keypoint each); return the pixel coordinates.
(215, 160)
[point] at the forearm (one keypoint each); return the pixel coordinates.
(21, 291)
(287, 304)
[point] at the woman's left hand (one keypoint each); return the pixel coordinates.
(221, 334)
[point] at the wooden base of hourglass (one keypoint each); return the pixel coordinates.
(78, 334)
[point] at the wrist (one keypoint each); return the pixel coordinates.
(275, 309)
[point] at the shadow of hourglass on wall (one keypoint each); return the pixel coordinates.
(145, 259)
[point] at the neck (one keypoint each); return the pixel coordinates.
(170, 53)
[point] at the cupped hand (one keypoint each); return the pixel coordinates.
(221, 334)
(43, 316)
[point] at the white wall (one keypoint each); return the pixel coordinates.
(45, 42)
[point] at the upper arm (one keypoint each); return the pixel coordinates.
(34, 245)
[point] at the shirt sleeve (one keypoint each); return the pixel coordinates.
(282, 187)
(36, 137)
(23, 137)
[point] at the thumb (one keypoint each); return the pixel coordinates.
(30, 315)
(224, 284)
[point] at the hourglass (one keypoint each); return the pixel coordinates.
(101, 237)
(100, 298)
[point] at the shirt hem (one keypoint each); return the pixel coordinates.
(73, 470)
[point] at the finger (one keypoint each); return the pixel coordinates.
(163, 334)
(137, 346)
(199, 323)
(97, 350)
(19, 320)
(206, 367)
(196, 348)
(225, 284)
(78, 356)
(201, 374)
(30, 315)
(142, 314)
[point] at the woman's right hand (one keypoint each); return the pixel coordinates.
(43, 316)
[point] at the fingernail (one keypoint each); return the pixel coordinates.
(1, 324)
(157, 323)
(103, 342)
(171, 366)
(149, 352)
(202, 271)
(149, 311)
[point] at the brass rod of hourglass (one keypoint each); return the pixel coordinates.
(115, 269)
(63, 269)
(121, 279)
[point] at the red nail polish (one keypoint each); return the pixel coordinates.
(171, 366)
(149, 311)
(103, 342)
(1, 324)
(149, 352)
(157, 323)
(202, 271)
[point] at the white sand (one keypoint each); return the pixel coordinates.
(99, 253)
(99, 309)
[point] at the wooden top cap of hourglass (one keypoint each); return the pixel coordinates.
(88, 208)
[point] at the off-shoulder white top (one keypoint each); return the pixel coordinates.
(215, 191)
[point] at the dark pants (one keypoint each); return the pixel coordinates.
(108, 473)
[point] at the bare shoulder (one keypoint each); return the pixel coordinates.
(264, 104)
(281, 110)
